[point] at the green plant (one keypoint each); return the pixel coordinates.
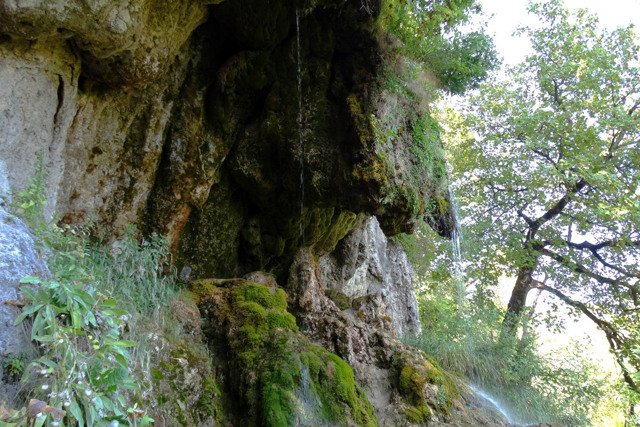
(14, 363)
(428, 32)
(137, 271)
(84, 364)
(30, 203)
(80, 315)
(463, 335)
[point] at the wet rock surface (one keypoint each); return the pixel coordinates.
(373, 273)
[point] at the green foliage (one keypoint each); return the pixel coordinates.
(137, 272)
(427, 30)
(84, 362)
(549, 163)
(14, 363)
(86, 313)
(30, 203)
(534, 388)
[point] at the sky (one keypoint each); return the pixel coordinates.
(503, 18)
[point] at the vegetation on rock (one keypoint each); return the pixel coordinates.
(281, 378)
(96, 320)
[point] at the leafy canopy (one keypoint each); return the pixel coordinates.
(430, 34)
(548, 172)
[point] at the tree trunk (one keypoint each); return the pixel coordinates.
(524, 283)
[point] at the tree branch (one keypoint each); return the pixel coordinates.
(595, 247)
(616, 342)
(557, 208)
(578, 268)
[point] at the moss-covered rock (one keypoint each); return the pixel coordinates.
(277, 375)
(181, 387)
(427, 390)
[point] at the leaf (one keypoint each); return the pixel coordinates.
(115, 312)
(123, 343)
(76, 322)
(38, 325)
(76, 412)
(109, 302)
(26, 312)
(122, 361)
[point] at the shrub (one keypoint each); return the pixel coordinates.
(428, 32)
(83, 317)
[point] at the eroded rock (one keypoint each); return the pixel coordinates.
(404, 386)
(365, 264)
(123, 43)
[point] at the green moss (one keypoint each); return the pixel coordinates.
(415, 371)
(339, 298)
(361, 119)
(328, 228)
(210, 401)
(269, 298)
(281, 377)
(204, 288)
(281, 320)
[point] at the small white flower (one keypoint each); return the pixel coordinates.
(45, 386)
(114, 423)
(88, 392)
(55, 423)
(67, 404)
(43, 372)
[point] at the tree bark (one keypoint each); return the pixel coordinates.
(524, 283)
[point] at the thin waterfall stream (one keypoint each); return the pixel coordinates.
(301, 147)
(459, 276)
(461, 295)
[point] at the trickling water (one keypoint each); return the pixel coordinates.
(300, 136)
(496, 405)
(458, 260)
(461, 291)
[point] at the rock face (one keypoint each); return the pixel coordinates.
(366, 266)
(18, 258)
(257, 136)
(188, 119)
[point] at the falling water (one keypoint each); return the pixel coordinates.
(461, 293)
(300, 136)
(458, 260)
(493, 402)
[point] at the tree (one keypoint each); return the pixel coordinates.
(549, 175)
(430, 34)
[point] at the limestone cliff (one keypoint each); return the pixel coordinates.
(257, 136)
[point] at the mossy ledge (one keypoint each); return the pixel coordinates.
(275, 375)
(421, 381)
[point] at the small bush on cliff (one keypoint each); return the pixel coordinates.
(429, 34)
